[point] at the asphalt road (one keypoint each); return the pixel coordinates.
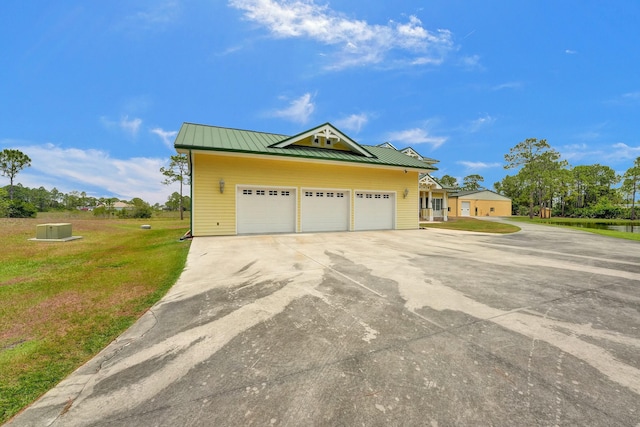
(394, 328)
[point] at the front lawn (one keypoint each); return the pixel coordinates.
(62, 302)
(472, 224)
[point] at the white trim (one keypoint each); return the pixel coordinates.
(307, 160)
(328, 131)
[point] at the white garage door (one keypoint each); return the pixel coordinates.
(374, 210)
(465, 210)
(324, 210)
(266, 210)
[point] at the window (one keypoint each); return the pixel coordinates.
(308, 193)
(378, 196)
(273, 192)
(368, 196)
(329, 194)
(260, 192)
(319, 194)
(386, 196)
(284, 193)
(340, 195)
(359, 195)
(492, 209)
(246, 192)
(437, 204)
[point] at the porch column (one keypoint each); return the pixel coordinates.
(445, 207)
(430, 207)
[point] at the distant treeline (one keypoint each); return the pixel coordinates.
(27, 202)
(545, 181)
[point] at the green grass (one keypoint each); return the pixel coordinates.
(558, 222)
(62, 302)
(472, 224)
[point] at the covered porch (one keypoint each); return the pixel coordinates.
(433, 200)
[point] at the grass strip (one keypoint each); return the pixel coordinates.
(572, 222)
(63, 302)
(472, 224)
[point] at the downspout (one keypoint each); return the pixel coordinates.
(191, 193)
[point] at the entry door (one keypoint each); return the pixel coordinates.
(324, 210)
(374, 210)
(266, 210)
(465, 209)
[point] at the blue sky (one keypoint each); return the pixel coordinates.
(95, 92)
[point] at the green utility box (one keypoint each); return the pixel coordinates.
(53, 231)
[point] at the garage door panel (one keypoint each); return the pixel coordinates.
(374, 210)
(265, 210)
(324, 210)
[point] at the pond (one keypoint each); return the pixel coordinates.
(598, 225)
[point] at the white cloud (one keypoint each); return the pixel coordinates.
(471, 62)
(479, 165)
(570, 52)
(633, 96)
(481, 122)
(416, 136)
(507, 85)
(575, 152)
(157, 16)
(130, 127)
(298, 111)
(626, 99)
(167, 136)
(95, 172)
(622, 151)
(353, 123)
(357, 42)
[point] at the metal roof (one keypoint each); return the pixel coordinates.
(464, 193)
(212, 138)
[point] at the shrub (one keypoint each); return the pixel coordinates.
(20, 209)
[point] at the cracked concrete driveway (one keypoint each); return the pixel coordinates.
(425, 327)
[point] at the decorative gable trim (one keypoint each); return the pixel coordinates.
(428, 181)
(326, 132)
(412, 153)
(387, 145)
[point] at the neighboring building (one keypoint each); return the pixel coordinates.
(120, 206)
(319, 180)
(479, 203)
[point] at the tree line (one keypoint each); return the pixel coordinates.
(543, 180)
(17, 201)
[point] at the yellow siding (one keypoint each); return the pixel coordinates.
(308, 142)
(215, 213)
(454, 210)
(501, 207)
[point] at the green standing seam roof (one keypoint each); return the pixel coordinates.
(212, 138)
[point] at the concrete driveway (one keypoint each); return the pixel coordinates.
(425, 327)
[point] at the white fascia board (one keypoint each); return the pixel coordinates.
(308, 160)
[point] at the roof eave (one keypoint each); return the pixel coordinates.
(408, 167)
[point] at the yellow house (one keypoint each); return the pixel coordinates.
(479, 203)
(319, 180)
